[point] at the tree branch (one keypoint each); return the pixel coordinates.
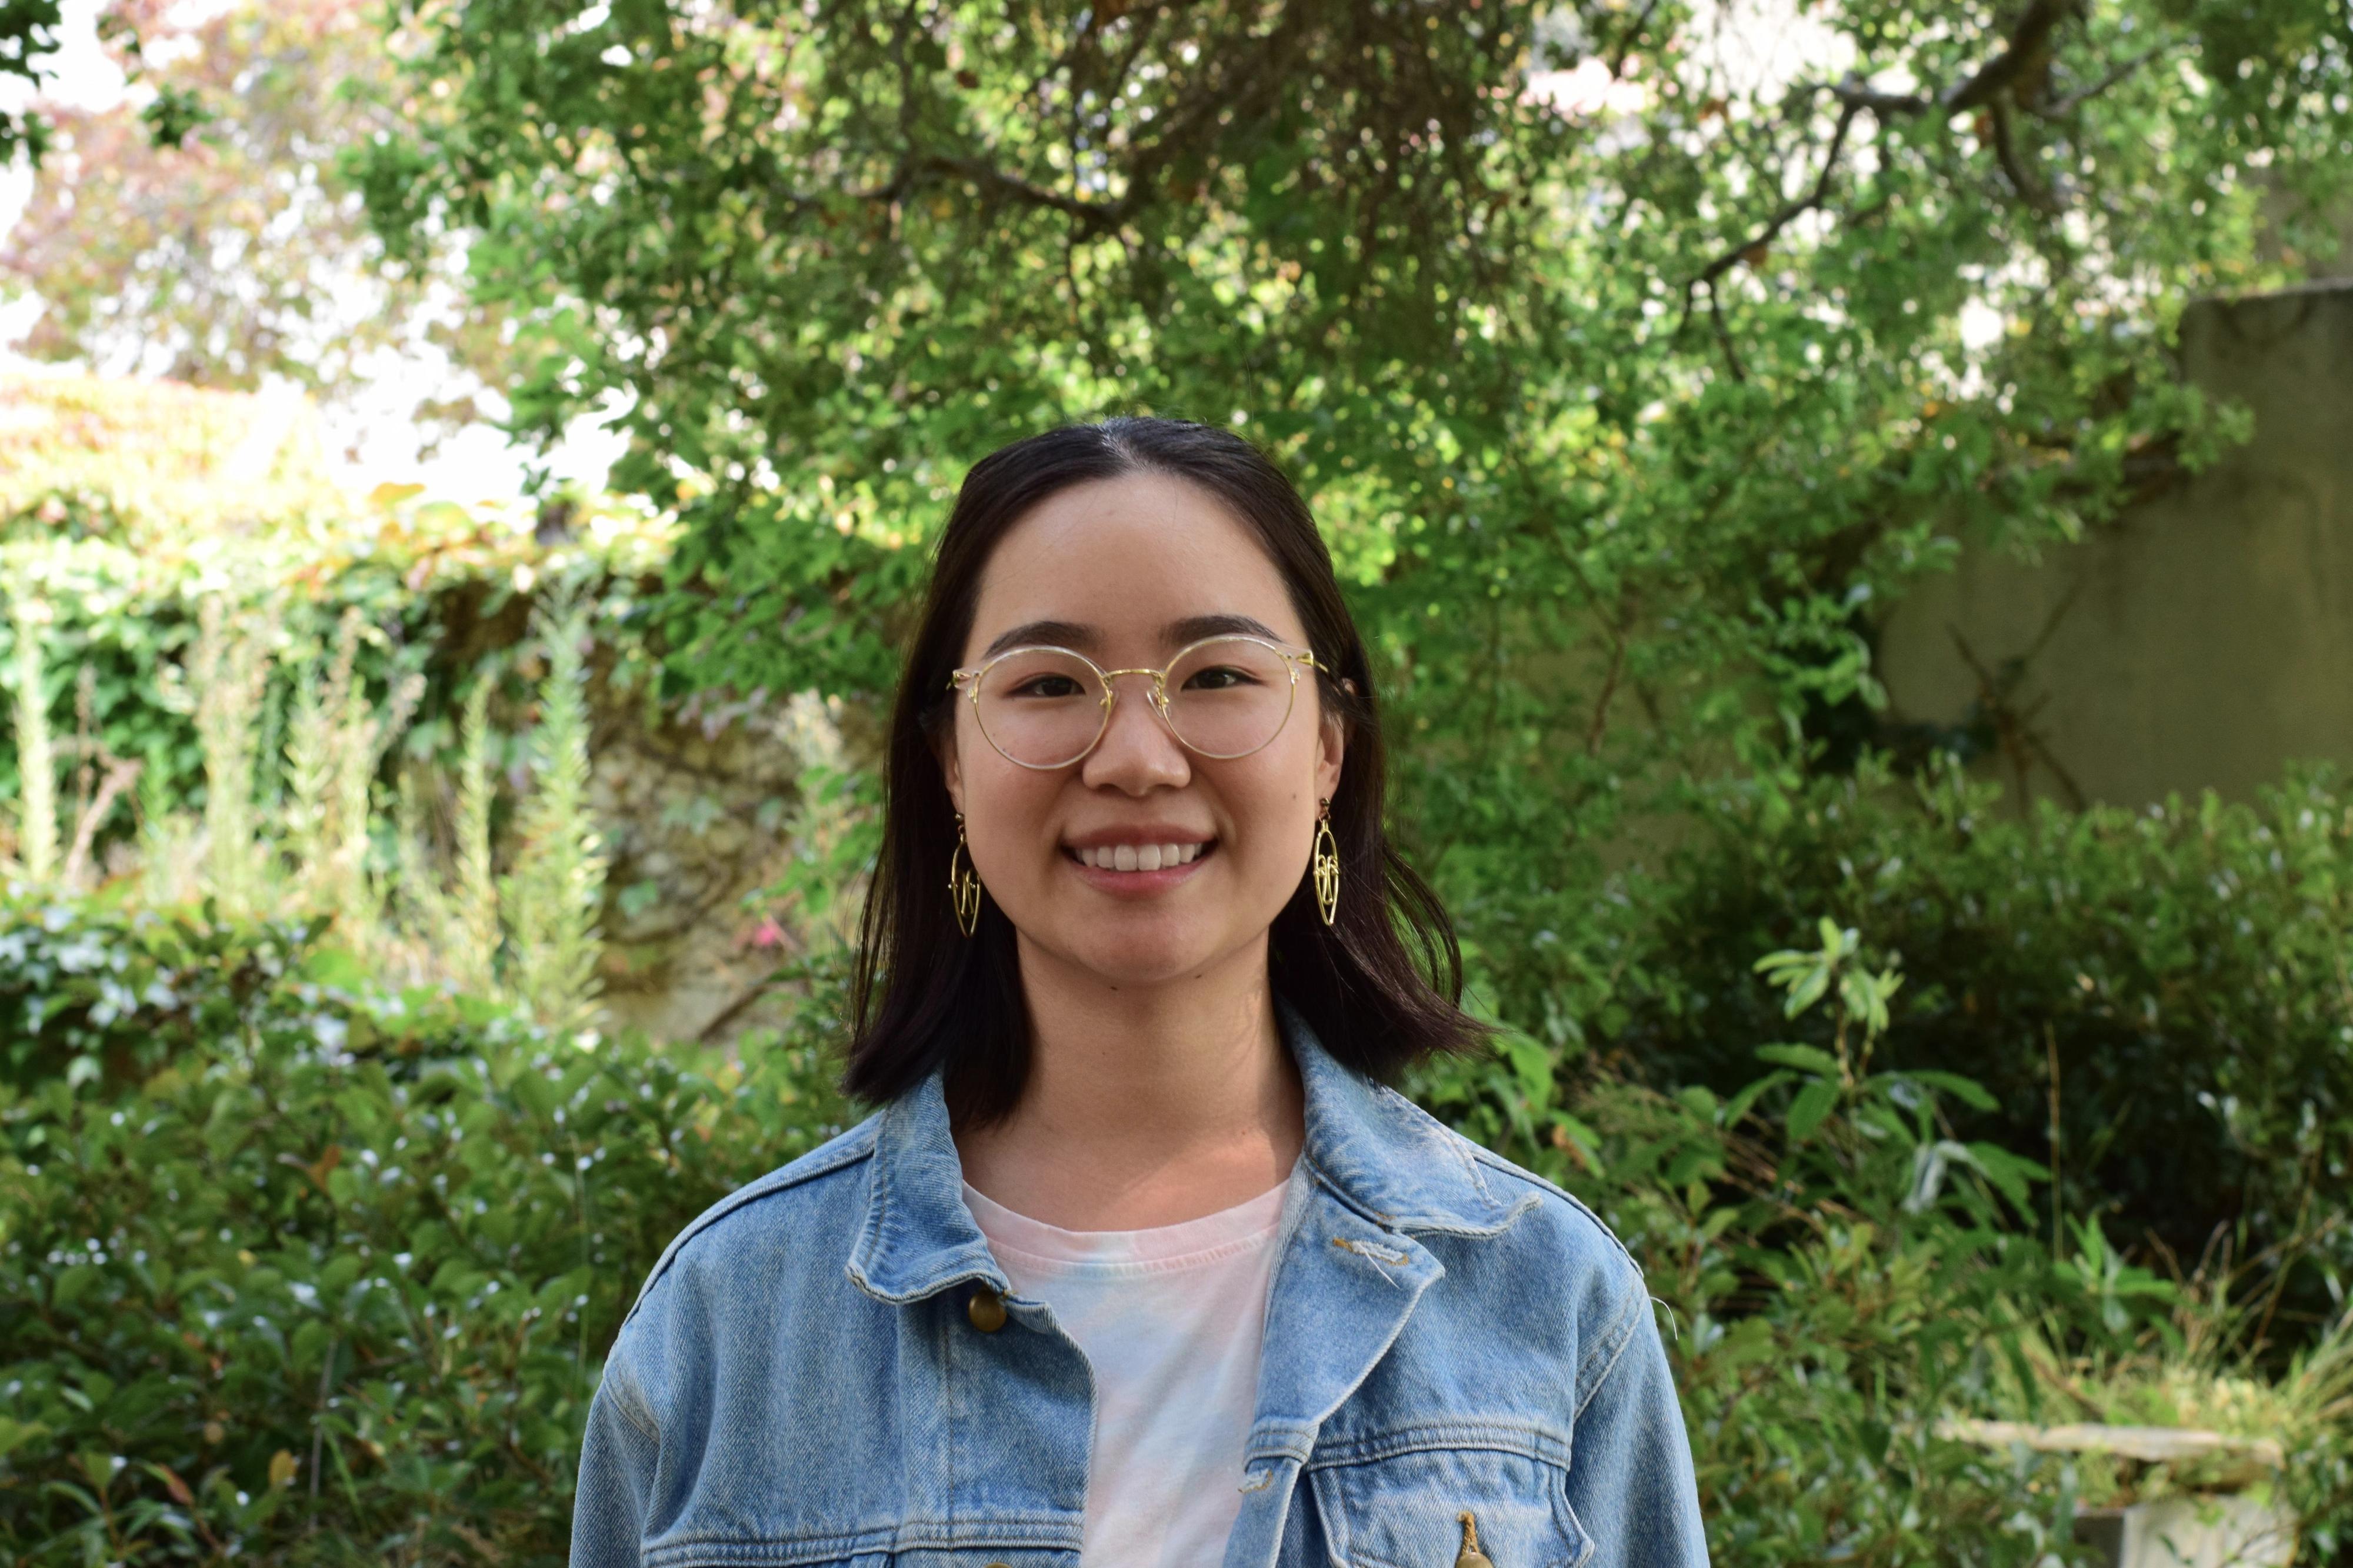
(1779, 221)
(2074, 101)
(1626, 39)
(2028, 46)
(2005, 147)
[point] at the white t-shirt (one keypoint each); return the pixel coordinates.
(1171, 1319)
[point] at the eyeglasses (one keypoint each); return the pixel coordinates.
(1223, 697)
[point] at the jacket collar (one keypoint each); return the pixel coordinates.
(1379, 1154)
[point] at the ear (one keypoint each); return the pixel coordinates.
(951, 765)
(1332, 746)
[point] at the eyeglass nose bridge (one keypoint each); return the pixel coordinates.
(1158, 699)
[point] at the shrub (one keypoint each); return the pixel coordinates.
(1845, 1269)
(297, 1270)
(2156, 1000)
(300, 1269)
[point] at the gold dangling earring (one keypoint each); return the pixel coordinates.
(1327, 863)
(964, 887)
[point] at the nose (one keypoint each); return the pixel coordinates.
(1136, 754)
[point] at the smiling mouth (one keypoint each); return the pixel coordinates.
(1140, 856)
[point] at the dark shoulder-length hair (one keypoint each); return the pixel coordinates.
(1380, 986)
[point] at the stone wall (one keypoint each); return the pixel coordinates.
(2203, 639)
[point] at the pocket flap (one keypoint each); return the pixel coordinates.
(1405, 1511)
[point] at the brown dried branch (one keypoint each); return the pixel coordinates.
(120, 775)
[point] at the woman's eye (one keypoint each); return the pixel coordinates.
(1218, 679)
(1048, 686)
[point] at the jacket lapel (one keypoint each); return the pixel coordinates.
(1343, 1289)
(1349, 1274)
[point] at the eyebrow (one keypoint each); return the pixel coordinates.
(1087, 639)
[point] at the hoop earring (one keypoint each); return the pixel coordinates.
(964, 887)
(1327, 863)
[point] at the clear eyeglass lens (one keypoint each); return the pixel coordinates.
(1044, 708)
(1040, 706)
(1228, 698)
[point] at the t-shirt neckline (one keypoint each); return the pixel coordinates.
(1199, 1240)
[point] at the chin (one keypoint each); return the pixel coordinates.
(1151, 955)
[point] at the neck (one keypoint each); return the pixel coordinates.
(1144, 1105)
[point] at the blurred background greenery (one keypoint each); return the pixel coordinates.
(417, 907)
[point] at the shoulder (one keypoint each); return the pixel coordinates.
(1506, 1195)
(1551, 1243)
(787, 1199)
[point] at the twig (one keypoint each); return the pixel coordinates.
(2017, 736)
(1626, 39)
(120, 775)
(1779, 221)
(2074, 101)
(2005, 147)
(2028, 45)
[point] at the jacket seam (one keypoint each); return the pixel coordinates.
(645, 1424)
(1488, 1156)
(1529, 1440)
(1611, 1344)
(1012, 1531)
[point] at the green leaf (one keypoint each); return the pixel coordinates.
(73, 1282)
(1805, 1059)
(1814, 1102)
(1967, 1090)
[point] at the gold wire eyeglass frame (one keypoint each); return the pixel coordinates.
(969, 680)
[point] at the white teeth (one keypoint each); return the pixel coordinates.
(1140, 856)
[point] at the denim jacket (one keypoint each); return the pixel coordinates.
(801, 1379)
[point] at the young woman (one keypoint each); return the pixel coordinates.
(1139, 1261)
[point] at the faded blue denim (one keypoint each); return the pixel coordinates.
(798, 1381)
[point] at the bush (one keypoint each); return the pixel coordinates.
(1844, 1270)
(299, 1271)
(2157, 1000)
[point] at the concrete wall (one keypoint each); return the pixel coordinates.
(2204, 640)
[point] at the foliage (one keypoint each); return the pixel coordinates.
(155, 462)
(296, 1268)
(556, 891)
(299, 834)
(199, 229)
(1845, 1268)
(446, 587)
(28, 30)
(2157, 1000)
(36, 816)
(1626, 385)
(301, 1267)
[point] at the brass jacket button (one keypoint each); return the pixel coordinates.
(986, 1308)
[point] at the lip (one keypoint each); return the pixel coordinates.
(1135, 884)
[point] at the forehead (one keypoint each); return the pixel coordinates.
(1140, 563)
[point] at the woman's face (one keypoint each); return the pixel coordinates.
(1125, 571)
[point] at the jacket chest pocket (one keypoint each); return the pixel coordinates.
(1406, 1511)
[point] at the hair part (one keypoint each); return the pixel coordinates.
(1381, 986)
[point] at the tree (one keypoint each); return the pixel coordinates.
(203, 230)
(28, 31)
(1621, 416)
